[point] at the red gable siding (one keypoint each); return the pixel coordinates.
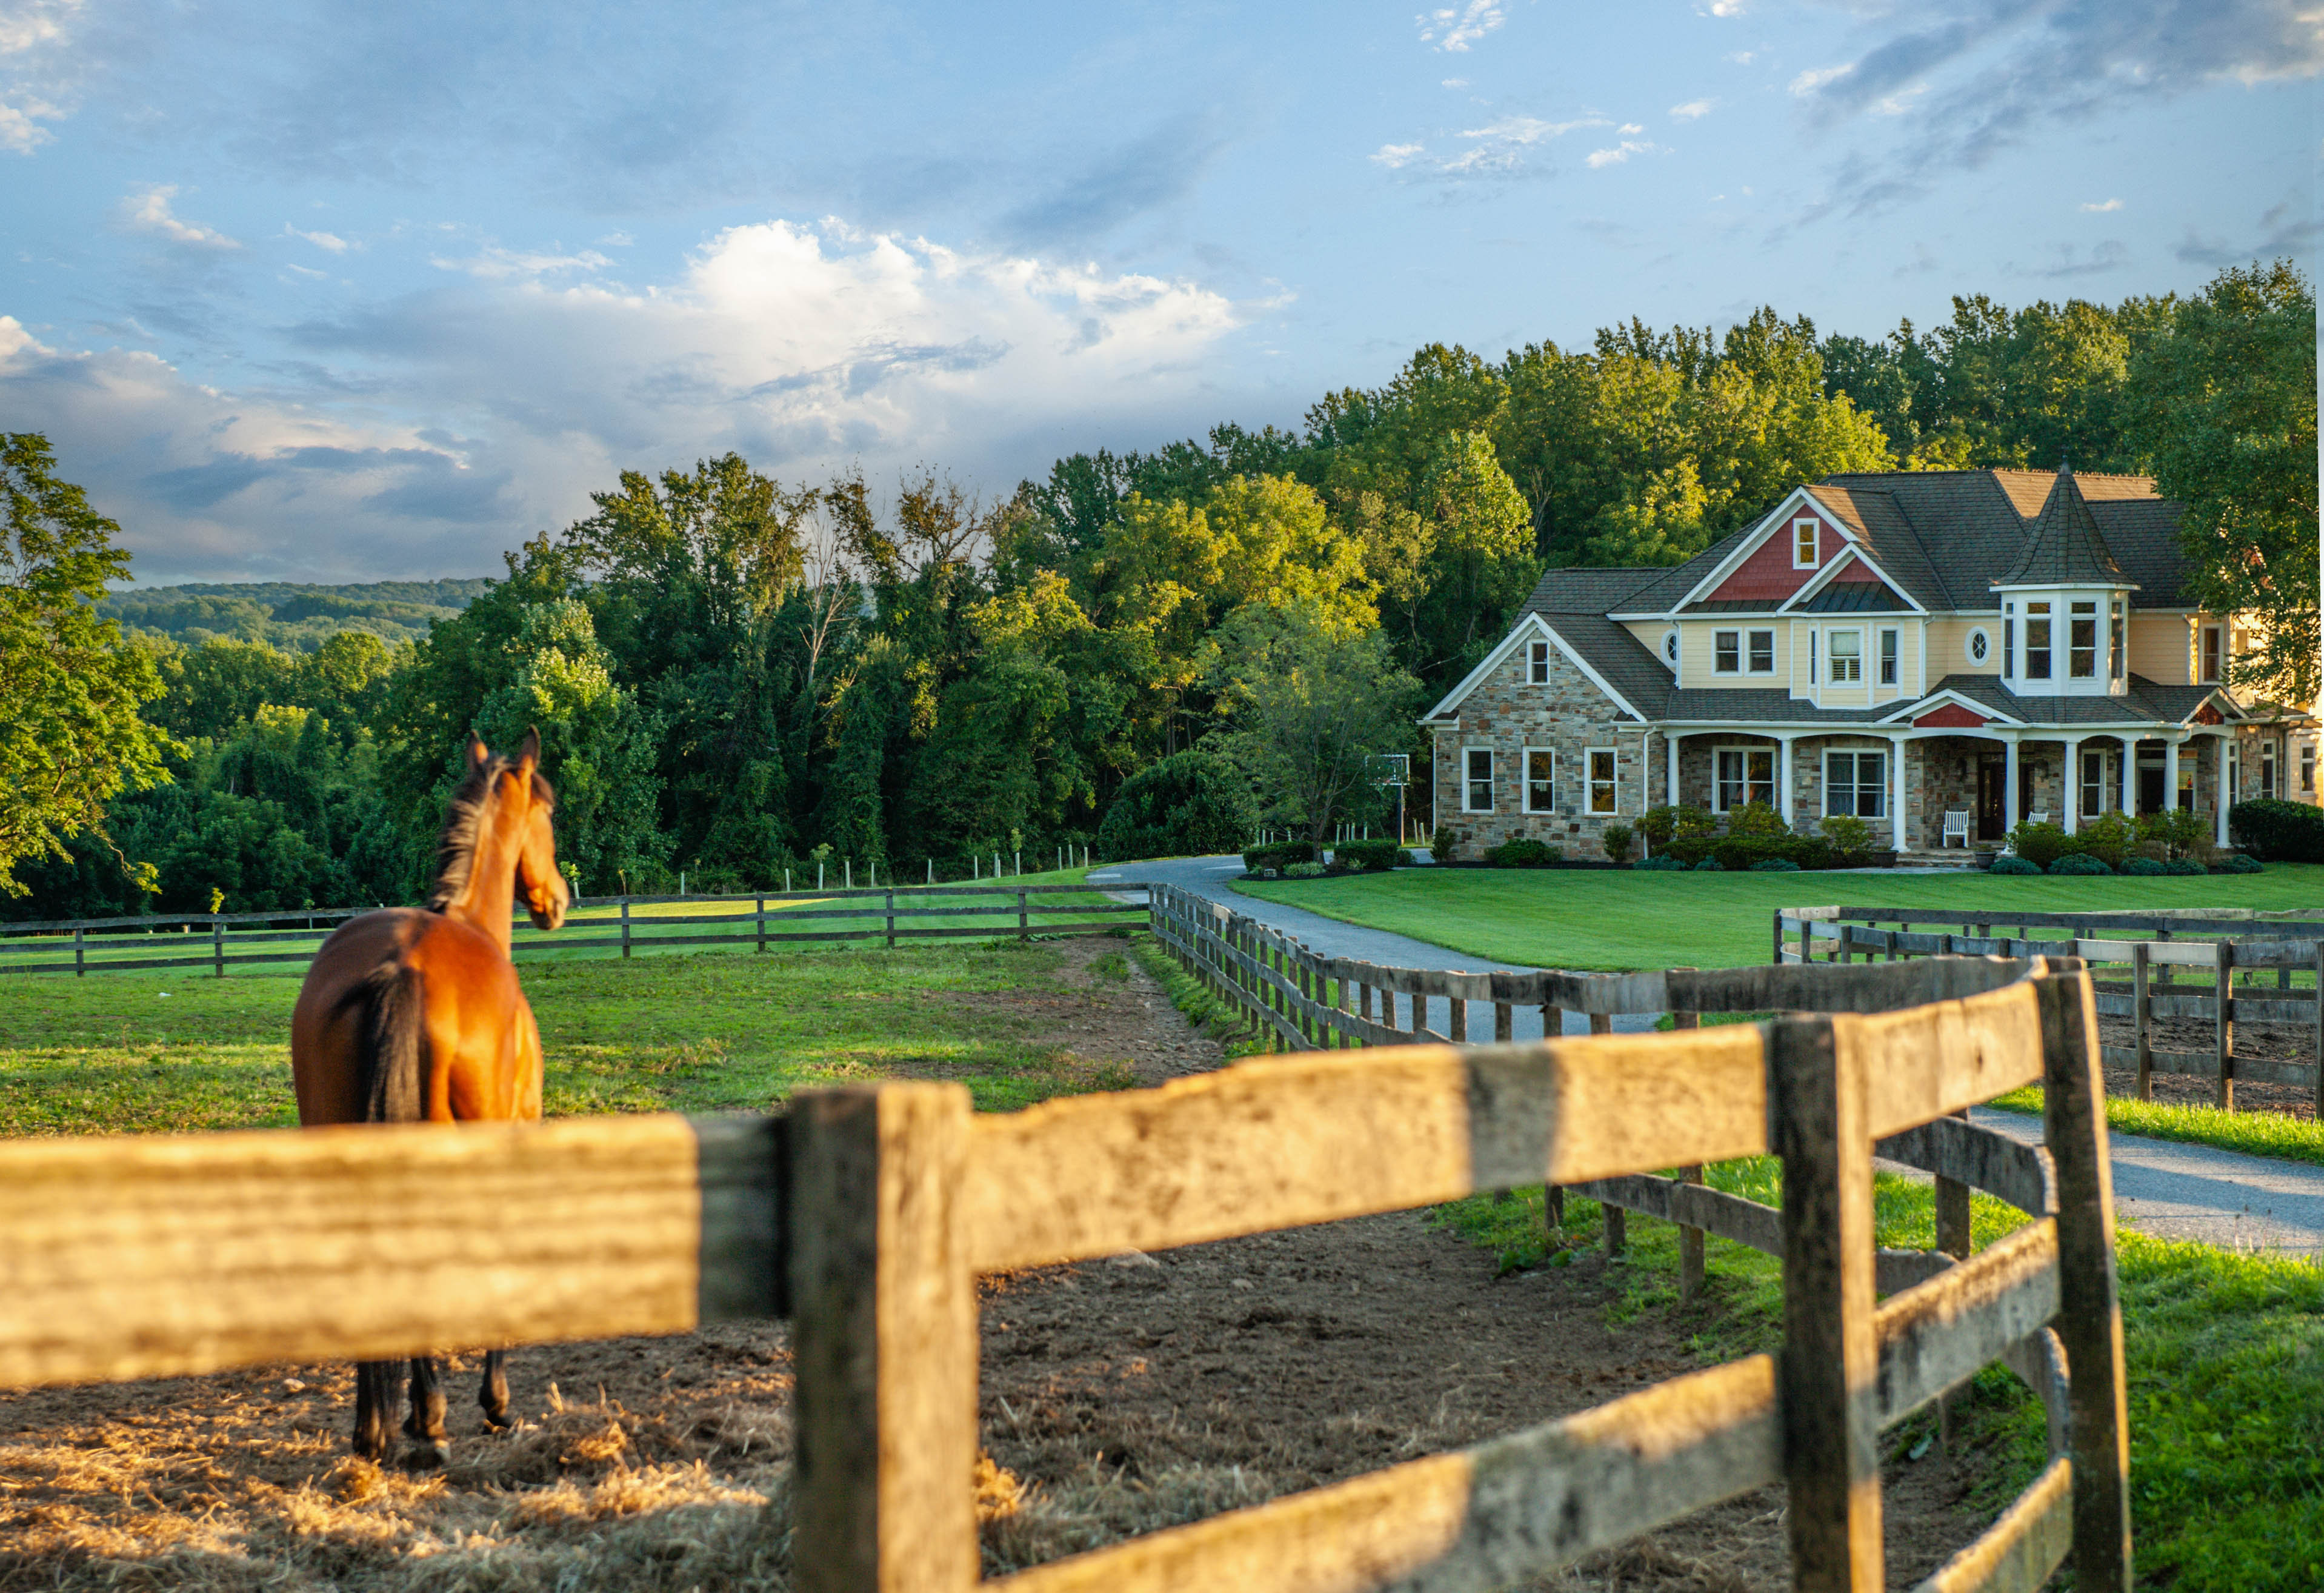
(1952, 715)
(1768, 576)
(1856, 571)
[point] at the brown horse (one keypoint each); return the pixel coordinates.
(413, 1015)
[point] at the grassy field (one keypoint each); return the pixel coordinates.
(1591, 918)
(2226, 1372)
(155, 1053)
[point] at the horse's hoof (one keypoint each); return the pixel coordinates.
(499, 1420)
(427, 1454)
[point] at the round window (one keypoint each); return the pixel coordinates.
(1670, 648)
(1978, 646)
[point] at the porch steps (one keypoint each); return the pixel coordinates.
(1955, 858)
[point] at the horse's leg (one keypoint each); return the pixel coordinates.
(493, 1392)
(424, 1424)
(374, 1408)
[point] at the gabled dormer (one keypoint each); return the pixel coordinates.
(1787, 551)
(2064, 606)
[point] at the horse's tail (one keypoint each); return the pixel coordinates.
(393, 1035)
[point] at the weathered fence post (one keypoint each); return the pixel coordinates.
(1690, 1239)
(884, 1330)
(2224, 1036)
(2089, 1315)
(1456, 1016)
(892, 915)
(1827, 1372)
(2317, 1050)
(625, 926)
(80, 969)
(1776, 926)
(2142, 1019)
(217, 947)
(1618, 1221)
(1505, 1027)
(759, 914)
(1024, 931)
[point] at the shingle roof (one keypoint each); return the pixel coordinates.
(1750, 704)
(2065, 545)
(2143, 535)
(1589, 588)
(2147, 703)
(1627, 664)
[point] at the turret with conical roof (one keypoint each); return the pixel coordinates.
(2064, 548)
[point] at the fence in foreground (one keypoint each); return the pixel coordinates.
(2155, 945)
(607, 925)
(865, 1214)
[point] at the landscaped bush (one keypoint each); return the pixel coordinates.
(2184, 865)
(2078, 862)
(1659, 865)
(2177, 832)
(1523, 852)
(2005, 863)
(2042, 844)
(1662, 826)
(2240, 863)
(1278, 855)
(1304, 871)
(1755, 818)
(1442, 843)
(2110, 837)
(1616, 839)
(2144, 866)
(1775, 866)
(1710, 866)
(1186, 805)
(1847, 832)
(2280, 832)
(1368, 855)
(1748, 851)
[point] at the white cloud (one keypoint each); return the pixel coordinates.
(148, 210)
(305, 271)
(1621, 153)
(2108, 205)
(33, 34)
(1744, 58)
(617, 240)
(1454, 83)
(805, 348)
(1727, 7)
(1815, 78)
(1691, 109)
(1456, 28)
(1395, 155)
(496, 262)
(1532, 129)
(321, 240)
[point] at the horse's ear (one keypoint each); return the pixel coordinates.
(477, 753)
(527, 756)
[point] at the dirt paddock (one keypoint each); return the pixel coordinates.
(1117, 1396)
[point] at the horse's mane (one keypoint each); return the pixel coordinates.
(456, 850)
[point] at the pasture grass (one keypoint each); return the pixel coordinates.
(1621, 918)
(2254, 1133)
(2224, 1362)
(152, 1053)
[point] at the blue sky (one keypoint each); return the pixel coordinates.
(336, 292)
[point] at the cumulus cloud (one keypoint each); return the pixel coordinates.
(805, 347)
(147, 209)
(1395, 155)
(34, 84)
(1621, 153)
(1966, 82)
(1455, 28)
(2107, 205)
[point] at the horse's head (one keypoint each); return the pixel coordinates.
(529, 805)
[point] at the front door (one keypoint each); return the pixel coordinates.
(1992, 813)
(2150, 788)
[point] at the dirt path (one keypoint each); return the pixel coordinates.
(1117, 1396)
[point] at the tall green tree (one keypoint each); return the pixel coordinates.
(2224, 410)
(70, 734)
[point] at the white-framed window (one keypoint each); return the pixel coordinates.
(1856, 783)
(2267, 768)
(2009, 642)
(1806, 531)
(2307, 771)
(2214, 641)
(2038, 641)
(1887, 658)
(1847, 657)
(1670, 648)
(2121, 650)
(1745, 775)
(1540, 779)
(1763, 653)
(1977, 646)
(1811, 658)
(1537, 664)
(1605, 792)
(2083, 639)
(2094, 783)
(1477, 780)
(1726, 651)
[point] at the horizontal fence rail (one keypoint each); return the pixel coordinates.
(608, 925)
(2130, 954)
(864, 1215)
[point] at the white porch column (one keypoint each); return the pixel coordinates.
(1784, 778)
(2130, 776)
(2220, 797)
(1670, 764)
(1897, 790)
(2170, 774)
(2073, 785)
(2009, 813)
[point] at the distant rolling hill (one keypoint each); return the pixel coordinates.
(296, 618)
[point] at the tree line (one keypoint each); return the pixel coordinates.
(732, 676)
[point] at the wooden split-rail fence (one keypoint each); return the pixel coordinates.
(2211, 945)
(219, 940)
(865, 1214)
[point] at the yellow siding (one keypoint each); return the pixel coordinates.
(1697, 650)
(1948, 644)
(2162, 648)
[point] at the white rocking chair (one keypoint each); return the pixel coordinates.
(2038, 816)
(1955, 829)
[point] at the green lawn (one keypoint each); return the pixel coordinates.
(1619, 919)
(157, 1054)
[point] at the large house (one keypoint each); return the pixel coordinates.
(1902, 646)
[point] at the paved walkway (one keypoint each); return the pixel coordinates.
(2168, 1190)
